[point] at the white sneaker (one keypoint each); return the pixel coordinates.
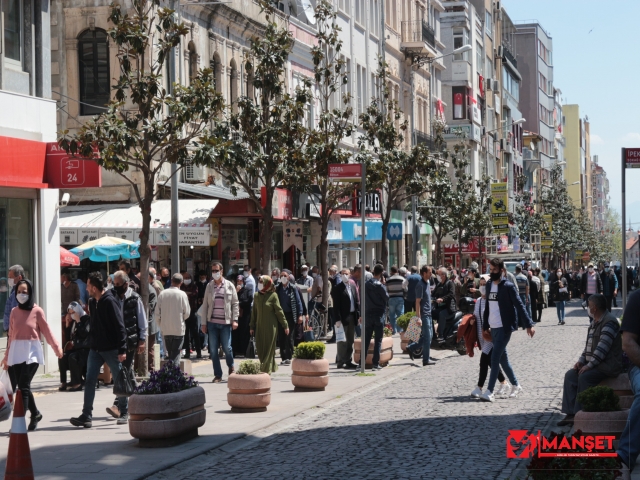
(515, 391)
(476, 392)
(503, 389)
(487, 396)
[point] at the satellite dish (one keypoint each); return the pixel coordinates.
(307, 10)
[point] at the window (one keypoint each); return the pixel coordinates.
(93, 58)
(12, 29)
(250, 89)
(361, 12)
(344, 6)
(488, 24)
(193, 63)
(544, 53)
(233, 85)
(488, 67)
(459, 102)
(374, 17)
(345, 89)
(479, 57)
(361, 88)
(510, 83)
(546, 116)
(460, 38)
(217, 72)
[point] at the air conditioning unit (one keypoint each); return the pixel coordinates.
(193, 173)
(500, 52)
(489, 84)
(496, 86)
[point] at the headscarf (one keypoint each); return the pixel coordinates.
(76, 307)
(28, 305)
(267, 284)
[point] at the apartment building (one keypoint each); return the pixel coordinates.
(574, 153)
(600, 193)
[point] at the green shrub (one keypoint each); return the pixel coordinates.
(599, 399)
(249, 367)
(309, 351)
(387, 332)
(403, 320)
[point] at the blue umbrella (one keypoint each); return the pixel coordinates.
(106, 248)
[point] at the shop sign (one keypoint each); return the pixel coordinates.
(292, 235)
(186, 237)
(632, 157)
(467, 248)
(345, 172)
(394, 231)
(372, 203)
(63, 171)
(69, 236)
(334, 228)
(86, 235)
(282, 204)
(500, 207)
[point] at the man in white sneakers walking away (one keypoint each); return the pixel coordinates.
(501, 315)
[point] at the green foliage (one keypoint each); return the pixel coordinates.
(249, 367)
(527, 217)
(169, 379)
(403, 320)
(599, 399)
(309, 351)
(387, 332)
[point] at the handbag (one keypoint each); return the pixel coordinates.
(251, 348)
(125, 383)
(413, 331)
(340, 335)
(308, 336)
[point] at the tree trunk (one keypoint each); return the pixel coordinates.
(386, 218)
(324, 248)
(439, 260)
(266, 232)
(145, 253)
(460, 248)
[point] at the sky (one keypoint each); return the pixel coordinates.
(596, 65)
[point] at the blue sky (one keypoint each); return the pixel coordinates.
(599, 71)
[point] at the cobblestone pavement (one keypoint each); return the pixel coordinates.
(421, 425)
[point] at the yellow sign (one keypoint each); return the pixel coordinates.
(500, 207)
(215, 232)
(547, 239)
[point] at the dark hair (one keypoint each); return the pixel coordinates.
(497, 262)
(518, 268)
(357, 268)
(28, 305)
(126, 263)
(378, 269)
(425, 269)
(96, 280)
(599, 301)
(218, 264)
(394, 269)
(414, 269)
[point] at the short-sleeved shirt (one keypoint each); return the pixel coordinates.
(522, 281)
(631, 316)
(423, 292)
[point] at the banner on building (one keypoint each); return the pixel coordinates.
(500, 207)
(292, 235)
(546, 240)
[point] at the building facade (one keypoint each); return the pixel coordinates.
(600, 194)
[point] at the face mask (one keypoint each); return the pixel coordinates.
(216, 276)
(284, 281)
(203, 280)
(590, 269)
(22, 297)
(75, 316)
(165, 278)
(121, 290)
(10, 282)
(483, 290)
(187, 282)
(345, 278)
(305, 273)
(495, 276)
(246, 273)
(606, 269)
(314, 275)
(260, 287)
(559, 273)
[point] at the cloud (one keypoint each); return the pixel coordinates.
(597, 140)
(632, 136)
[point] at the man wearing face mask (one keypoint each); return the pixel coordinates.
(191, 324)
(346, 309)
(154, 280)
(291, 304)
(591, 283)
(165, 278)
(444, 295)
(249, 282)
(16, 273)
(275, 275)
(609, 285)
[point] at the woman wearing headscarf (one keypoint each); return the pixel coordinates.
(265, 317)
(240, 336)
(76, 349)
(24, 351)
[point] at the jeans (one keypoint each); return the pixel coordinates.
(485, 361)
(95, 361)
(629, 447)
(396, 308)
(575, 384)
(499, 357)
(370, 328)
(219, 335)
(427, 334)
(24, 373)
(442, 314)
(173, 345)
(560, 310)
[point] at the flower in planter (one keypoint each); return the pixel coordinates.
(169, 379)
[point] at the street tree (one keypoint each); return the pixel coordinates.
(527, 218)
(265, 134)
(146, 127)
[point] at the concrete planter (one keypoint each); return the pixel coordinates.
(386, 351)
(310, 374)
(404, 341)
(249, 393)
(164, 420)
(620, 385)
(601, 423)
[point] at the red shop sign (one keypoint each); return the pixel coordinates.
(471, 247)
(282, 205)
(63, 171)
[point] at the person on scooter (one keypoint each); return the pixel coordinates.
(444, 295)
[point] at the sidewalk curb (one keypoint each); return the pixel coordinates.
(244, 440)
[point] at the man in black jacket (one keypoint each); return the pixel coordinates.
(442, 296)
(346, 310)
(376, 305)
(108, 343)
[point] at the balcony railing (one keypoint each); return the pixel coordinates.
(509, 56)
(426, 139)
(418, 31)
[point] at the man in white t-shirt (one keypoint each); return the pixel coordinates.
(504, 308)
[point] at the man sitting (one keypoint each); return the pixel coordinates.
(601, 358)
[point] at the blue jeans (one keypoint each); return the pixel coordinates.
(499, 357)
(219, 335)
(427, 334)
(94, 362)
(629, 447)
(560, 310)
(527, 307)
(396, 308)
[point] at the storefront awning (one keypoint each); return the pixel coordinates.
(211, 191)
(88, 222)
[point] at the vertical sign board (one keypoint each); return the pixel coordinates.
(630, 159)
(500, 207)
(546, 240)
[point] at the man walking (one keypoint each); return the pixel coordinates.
(291, 304)
(108, 343)
(219, 315)
(395, 288)
(191, 332)
(375, 310)
(609, 285)
(522, 282)
(591, 283)
(171, 312)
(412, 283)
(423, 309)
(346, 308)
(500, 319)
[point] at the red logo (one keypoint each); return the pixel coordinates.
(522, 444)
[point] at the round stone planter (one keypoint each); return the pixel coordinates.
(167, 419)
(249, 393)
(404, 341)
(386, 351)
(601, 423)
(619, 384)
(310, 375)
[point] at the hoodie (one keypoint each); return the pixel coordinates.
(107, 330)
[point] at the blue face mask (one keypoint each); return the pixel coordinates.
(606, 269)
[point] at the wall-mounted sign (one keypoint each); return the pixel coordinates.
(61, 171)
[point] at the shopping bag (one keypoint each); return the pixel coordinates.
(308, 336)
(125, 383)
(6, 381)
(5, 404)
(414, 331)
(251, 348)
(340, 335)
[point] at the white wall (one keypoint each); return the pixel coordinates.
(29, 118)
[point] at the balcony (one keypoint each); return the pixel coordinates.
(425, 139)
(509, 56)
(418, 38)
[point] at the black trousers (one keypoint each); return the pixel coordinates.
(24, 373)
(286, 341)
(409, 306)
(191, 335)
(370, 328)
(609, 299)
(76, 363)
(539, 306)
(485, 362)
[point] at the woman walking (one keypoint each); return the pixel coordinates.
(485, 346)
(560, 292)
(24, 351)
(265, 317)
(543, 300)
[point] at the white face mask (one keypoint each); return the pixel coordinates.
(314, 275)
(10, 282)
(203, 280)
(22, 297)
(559, 273)
(483, 290)
(590, 269)
(284, 280)
(260, 287)
(345, 278)
(187, 282)
(305, 273)
(216, 276)
(246, 273)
